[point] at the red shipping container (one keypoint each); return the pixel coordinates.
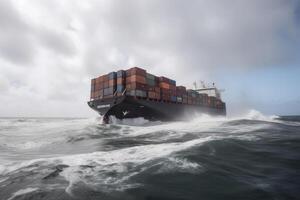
(136, 86)
(172, 92)
(105, 84)
(135, 71)
(181, 88)
(105, 78)
(172, 87)
(99, 86)
(165, 91)
(92, 95)
(98, 80)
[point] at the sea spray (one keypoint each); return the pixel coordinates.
(135, 158)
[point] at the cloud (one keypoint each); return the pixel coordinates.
(62, 44)
(199, 36)
(15, 41)
(20, 39)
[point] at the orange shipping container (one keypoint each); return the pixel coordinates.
(136, 86)
(120, 81)
(112, 82)
(164, 85)
(136, 78)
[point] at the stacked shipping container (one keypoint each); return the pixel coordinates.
(121, 82)
(153, 87)
(138, 83)
(168, 89)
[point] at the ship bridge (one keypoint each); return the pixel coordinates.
(210, 91)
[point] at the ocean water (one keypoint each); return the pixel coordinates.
(248, 157)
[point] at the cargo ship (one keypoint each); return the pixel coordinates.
(134, 93)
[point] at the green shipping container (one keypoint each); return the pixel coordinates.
(150, 82)
(150, 76)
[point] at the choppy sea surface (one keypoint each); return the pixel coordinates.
(248, 157)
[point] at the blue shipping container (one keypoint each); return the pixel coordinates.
(172, 82)
(112, 75)
(173, 98)
(120, 88)
(121, 74)
(150, 82)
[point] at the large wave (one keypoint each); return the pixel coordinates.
(77, 152)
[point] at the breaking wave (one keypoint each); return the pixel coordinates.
(83, 158)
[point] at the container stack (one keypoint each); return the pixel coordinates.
(153, 87)
(93, 83)
(193, 97)
(223, 105)
(97, 87)
(220, 104)
(181, 94)
(203, 99)
(104, 86)
(110, 84)
(136, 82)
(168, 89)
(121, 82)
(212, 101)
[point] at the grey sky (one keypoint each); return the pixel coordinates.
(50, 49)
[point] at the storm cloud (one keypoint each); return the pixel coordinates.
(49, 50)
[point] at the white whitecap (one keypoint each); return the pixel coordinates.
(180, 165)
(22, 192)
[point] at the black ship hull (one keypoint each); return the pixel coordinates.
(132, 107)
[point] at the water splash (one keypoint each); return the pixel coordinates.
(84, 153)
